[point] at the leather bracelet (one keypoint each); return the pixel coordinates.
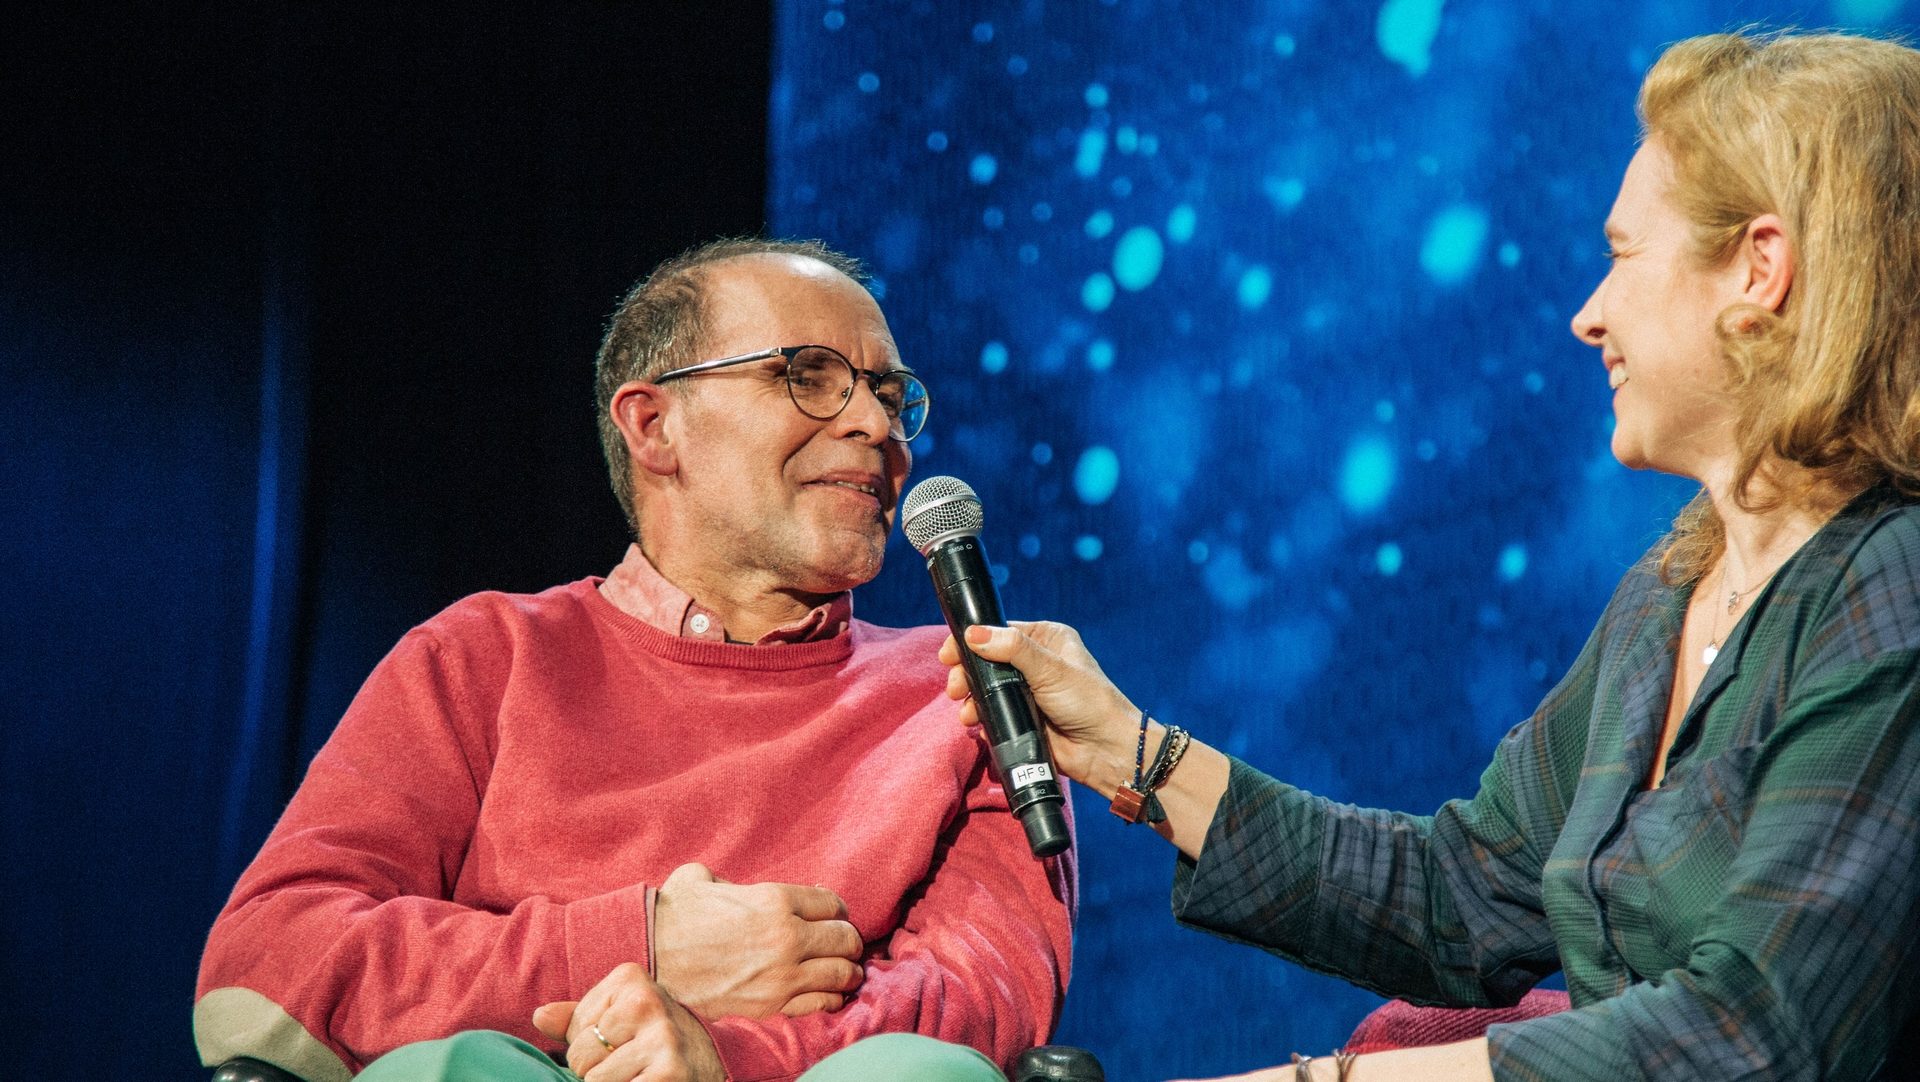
(1172, 747)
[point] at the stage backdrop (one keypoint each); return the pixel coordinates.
(1248, 321)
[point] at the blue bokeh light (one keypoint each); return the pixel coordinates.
(1451, 250)
(1866, 14)
(1100, 354)
(1389, 559)
(1405, 31)
(1092, 151)
(1367, 475)
(1137, 258)
(1096, 475)
(1256, 285)
(1181, 222)
(1513, 562)
(1097, 292)
(993, 358)
(1285, 192)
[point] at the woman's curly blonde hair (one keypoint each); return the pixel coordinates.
(1824, 131)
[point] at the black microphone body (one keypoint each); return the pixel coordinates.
(963, 581)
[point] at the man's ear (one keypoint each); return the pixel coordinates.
(1767, 254)
(639, 410)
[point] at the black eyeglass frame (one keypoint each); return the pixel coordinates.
(790, 352)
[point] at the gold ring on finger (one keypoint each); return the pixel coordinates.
(601, 1037)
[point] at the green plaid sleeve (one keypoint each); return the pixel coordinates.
(1435, 909)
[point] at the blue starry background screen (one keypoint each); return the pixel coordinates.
(1248, 321)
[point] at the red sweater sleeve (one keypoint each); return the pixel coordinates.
(981, 957)
(341, 921)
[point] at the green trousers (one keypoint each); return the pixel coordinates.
(486, 1056)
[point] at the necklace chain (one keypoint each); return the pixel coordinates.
(1733, 602)
(1734, 596)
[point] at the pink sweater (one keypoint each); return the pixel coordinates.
(478, 836)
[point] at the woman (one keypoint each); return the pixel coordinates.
(1712, 824)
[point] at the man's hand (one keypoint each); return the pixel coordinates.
(723, 948)
(628, 1028)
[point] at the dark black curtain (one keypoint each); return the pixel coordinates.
(298, 307)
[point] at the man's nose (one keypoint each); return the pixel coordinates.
(864, 416)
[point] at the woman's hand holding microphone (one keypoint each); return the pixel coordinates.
(1093, 728)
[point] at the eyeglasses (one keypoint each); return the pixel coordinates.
(820, 380)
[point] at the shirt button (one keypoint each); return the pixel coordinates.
(699, 623)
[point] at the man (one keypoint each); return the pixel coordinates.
(595, 817)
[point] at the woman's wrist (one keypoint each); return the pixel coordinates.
(1110, 758)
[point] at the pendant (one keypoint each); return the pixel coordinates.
(1712, 651)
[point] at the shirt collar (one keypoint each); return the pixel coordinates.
(638, 589)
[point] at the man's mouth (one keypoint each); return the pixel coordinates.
(1617, 376)
(868, 485)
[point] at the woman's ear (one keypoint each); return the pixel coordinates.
(1768, 256)
(639, 410)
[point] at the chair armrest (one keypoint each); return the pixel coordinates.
(242, 1069)
(1057, 1063)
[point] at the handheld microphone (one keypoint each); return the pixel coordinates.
(942, 519)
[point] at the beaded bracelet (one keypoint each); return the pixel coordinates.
(1135, 802)
(1128, 798)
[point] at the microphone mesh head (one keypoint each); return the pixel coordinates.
(937, 508)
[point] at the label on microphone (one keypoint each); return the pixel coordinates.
(1027, 773)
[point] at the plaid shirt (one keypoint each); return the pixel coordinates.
(1756, 916)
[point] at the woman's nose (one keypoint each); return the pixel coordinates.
(1587, 323)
